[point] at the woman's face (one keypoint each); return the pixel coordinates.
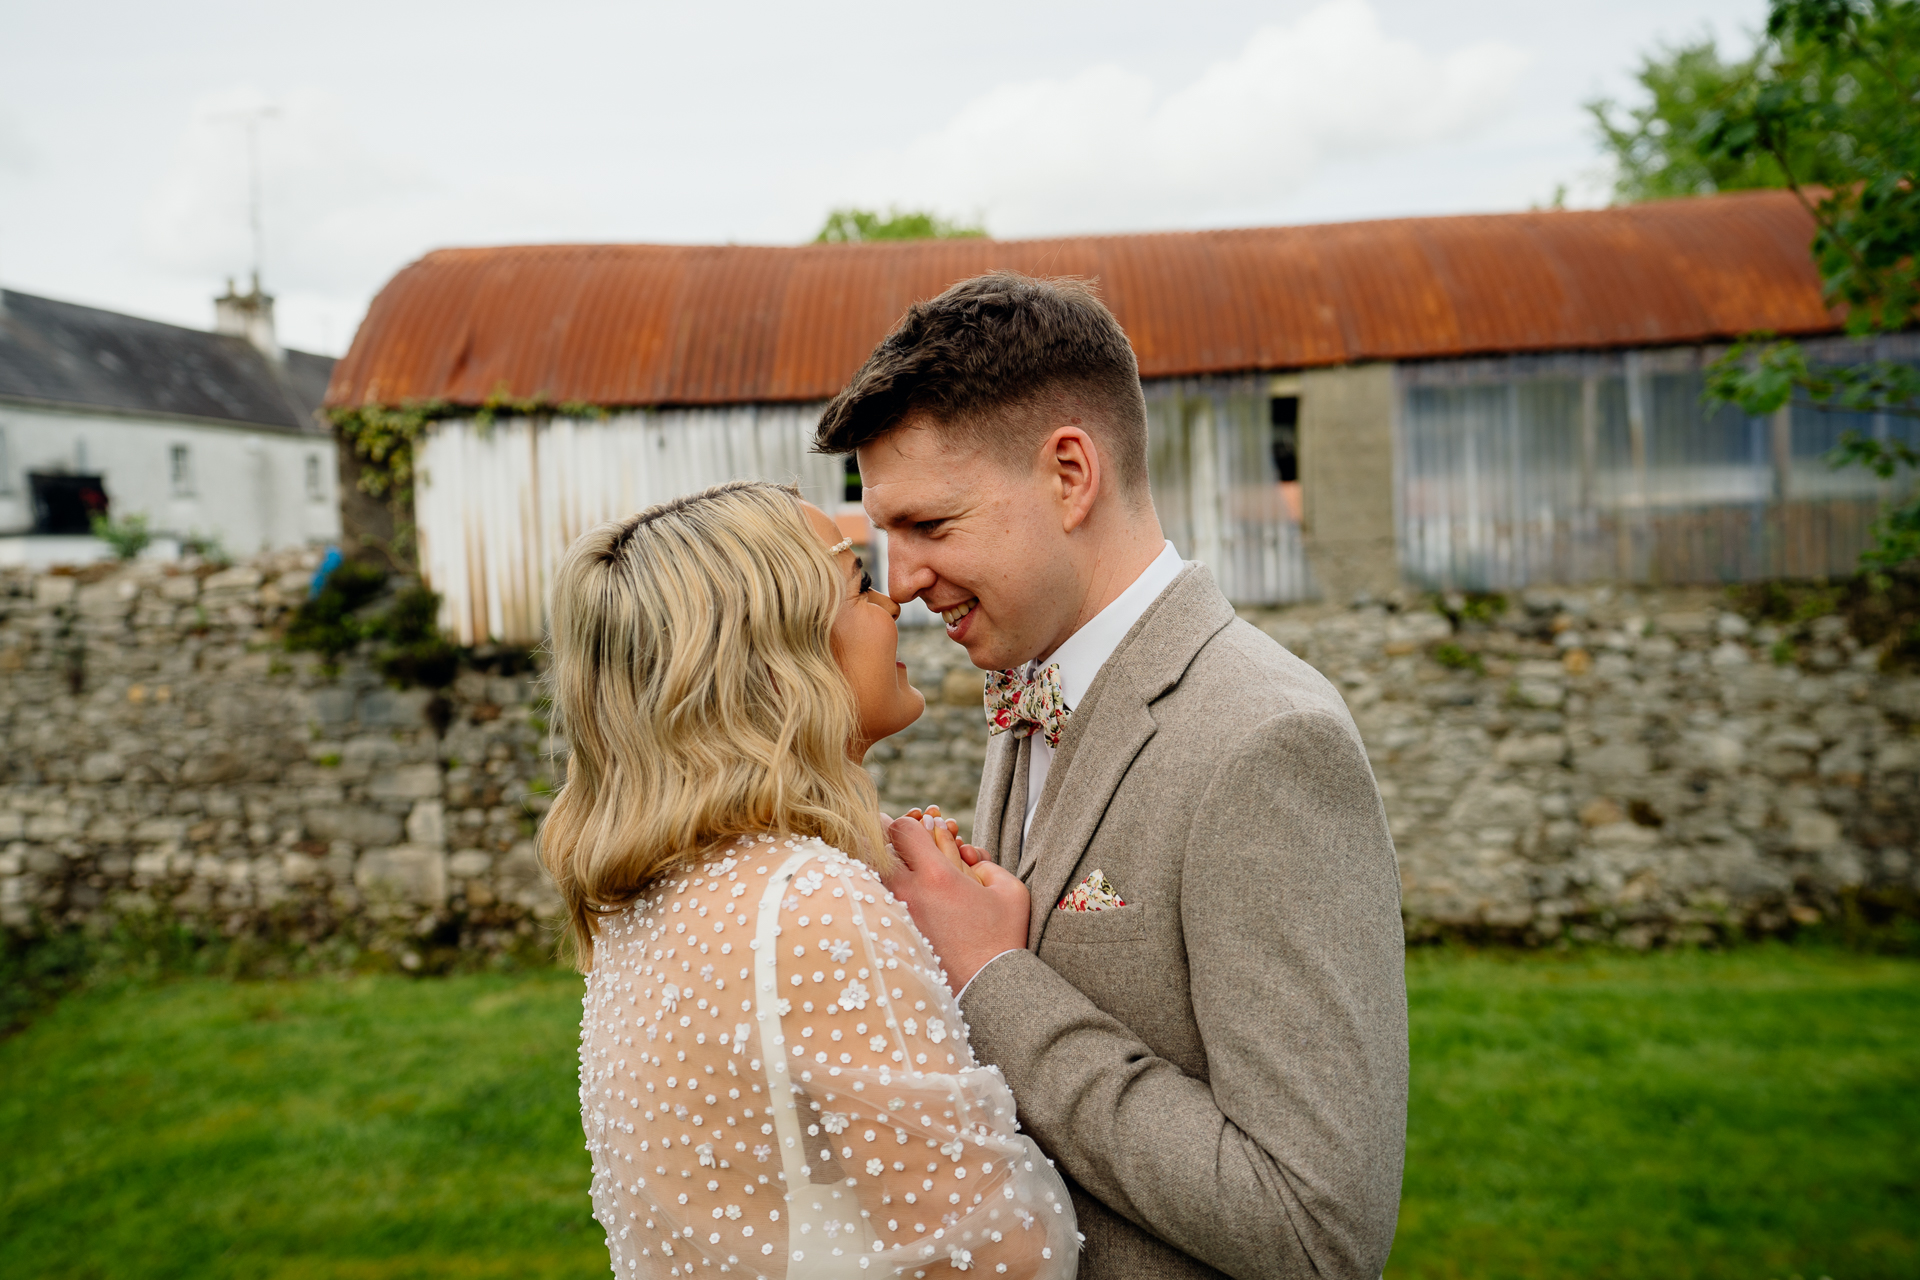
(865, 643)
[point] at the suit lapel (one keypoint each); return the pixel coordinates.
(1108, 729)
(1013, 821)
(1000, 777)
(1080, 783)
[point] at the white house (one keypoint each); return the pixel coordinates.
(207, 435)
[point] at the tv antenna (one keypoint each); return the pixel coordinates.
(251, 118)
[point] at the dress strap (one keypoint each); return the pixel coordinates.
(786, 1118)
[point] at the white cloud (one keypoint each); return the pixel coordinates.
(17, 155)
(339, 216)
(317, 180)
(1105, 149)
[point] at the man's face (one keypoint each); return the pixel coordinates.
(979, 539)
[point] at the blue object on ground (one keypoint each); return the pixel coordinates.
(328, 564)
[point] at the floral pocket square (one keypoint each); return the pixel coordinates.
(1095, 893)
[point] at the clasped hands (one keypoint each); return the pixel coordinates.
(969, 907)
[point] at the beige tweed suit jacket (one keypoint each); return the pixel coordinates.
(1220, 1066)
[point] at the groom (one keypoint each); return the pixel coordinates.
(1188, 960)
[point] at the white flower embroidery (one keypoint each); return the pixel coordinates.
(670, 997)
(960, 1258)
(936, 1030)
(877, 1043)
(706, 973)
(739, 889)
(911, 1027)
(854, 997)
(953, 1150)
(783, 1006)
(790, 903)
(834, 1122)
(840, 949)
(761, 1153)
(740, 1032)
(875, 1168)
(705, 1152)
(680, 1111)
(733, 1212)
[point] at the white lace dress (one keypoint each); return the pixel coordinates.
(775, 1081)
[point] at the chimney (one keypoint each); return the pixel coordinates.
(249, 316)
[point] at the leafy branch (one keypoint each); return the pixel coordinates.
(1760, 374)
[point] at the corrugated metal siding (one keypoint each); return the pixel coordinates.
(624, 325)
(1210, 464)
(497, 508)
(1603, 466)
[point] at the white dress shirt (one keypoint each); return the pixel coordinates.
(1088, 649)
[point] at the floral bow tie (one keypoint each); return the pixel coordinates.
(1022, 705)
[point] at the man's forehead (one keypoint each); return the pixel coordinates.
(913, 472)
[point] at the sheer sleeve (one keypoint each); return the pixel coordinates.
(775, 1081)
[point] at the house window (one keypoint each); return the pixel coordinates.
(1285, 414)
(6, 464)
(850, 483)
(316, 491)
(180, 470)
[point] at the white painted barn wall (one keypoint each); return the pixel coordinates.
(496, 508)
(248, 487)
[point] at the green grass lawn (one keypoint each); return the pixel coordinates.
(1753, 1114)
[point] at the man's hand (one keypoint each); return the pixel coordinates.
(969, 914)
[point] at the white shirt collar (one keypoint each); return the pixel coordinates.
(1088, 649)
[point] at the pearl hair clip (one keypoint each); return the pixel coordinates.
(845, 544)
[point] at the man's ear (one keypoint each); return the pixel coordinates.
(1072, 465)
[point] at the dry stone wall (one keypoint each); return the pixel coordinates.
(1593, 764)
(163, 754)
(1589, 764)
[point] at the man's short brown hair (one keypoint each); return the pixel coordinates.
(991, 359)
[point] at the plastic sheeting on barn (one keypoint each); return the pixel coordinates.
(1606, 466)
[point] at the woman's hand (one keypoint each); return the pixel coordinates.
(946, 835)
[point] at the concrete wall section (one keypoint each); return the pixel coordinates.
(1347, 479)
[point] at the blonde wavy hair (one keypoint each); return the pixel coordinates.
(695, 682)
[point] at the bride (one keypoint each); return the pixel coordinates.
(774, 1078)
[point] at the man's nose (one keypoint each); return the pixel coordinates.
(907, 576)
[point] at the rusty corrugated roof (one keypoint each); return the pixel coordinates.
(679, 324)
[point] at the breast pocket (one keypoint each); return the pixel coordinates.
(1115, 924)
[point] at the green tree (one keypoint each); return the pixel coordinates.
(1829, 104)
(1656, 147)
(858, 226)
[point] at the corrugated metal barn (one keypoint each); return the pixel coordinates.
(1474, 402)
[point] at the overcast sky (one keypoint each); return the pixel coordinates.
(399, 127)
